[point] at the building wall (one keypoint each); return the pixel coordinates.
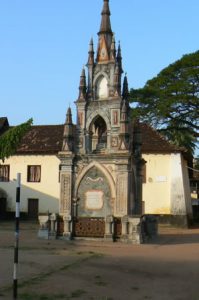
(156, 190)
(47, 190)
(180, 188)
(166, 190)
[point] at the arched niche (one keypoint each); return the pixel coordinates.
(94, 195)
(101, 91)
(98, 134)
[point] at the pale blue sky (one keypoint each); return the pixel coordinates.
(44, 44)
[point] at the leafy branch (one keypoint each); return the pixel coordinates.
(10, 140)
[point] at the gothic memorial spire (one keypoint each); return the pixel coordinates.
(105, 34)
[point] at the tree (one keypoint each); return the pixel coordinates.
(9, 140)
(170, 101)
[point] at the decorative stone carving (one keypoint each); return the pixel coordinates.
(124, 221)
(53, 226)
(65, 204)
(43, 222)
(67, 226)
(122, 193)
(43, 231)
(109, 227)
(135, 230)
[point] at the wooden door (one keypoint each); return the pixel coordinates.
(33, 209)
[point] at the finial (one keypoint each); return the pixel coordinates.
(105, 22)
(113, 50)
(125, 91)
(91, 53)
(82, 85)
(69, 117)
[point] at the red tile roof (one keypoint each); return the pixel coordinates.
(47, 139)
(154, 142)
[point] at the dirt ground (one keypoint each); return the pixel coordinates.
(96, 270)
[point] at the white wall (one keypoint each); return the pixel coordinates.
(47, 191)
(180, 190)
(156, 190)
(166, 190)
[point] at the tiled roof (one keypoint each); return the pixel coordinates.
(46, 139)
(153, 142)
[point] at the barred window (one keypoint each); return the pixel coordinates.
(4, 172)
(34, 174)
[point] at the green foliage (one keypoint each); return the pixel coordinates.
(170, 101)
(9, 141)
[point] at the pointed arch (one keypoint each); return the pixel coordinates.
(103, 170)
(98, 133)
(96, 114)
(101, 84)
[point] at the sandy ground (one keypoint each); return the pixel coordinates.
(50, 270)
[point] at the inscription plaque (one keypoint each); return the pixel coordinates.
(94, 199)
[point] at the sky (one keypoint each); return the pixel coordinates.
(44, 45)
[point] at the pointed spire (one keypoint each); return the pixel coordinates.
(105, 21)
(105, 34)
(67, 144)
(91, 53)
(117, 83)
(124, 107)
(82, 86)
(125, 91)
(69, 117)
(119, 57)
(113, 50)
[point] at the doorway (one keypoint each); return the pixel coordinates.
(3, 208)
(33, 209)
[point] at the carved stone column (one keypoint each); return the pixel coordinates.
(124, 221)
(67, 234)
(44, 227)
(108, 228)
(135, 230)
(53, 226)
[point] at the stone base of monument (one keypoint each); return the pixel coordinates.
(67, 236)
(52, 235)
(149, 228)
(108, 237)
(43, 234)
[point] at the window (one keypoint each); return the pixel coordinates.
(102, 88)
(34, 174)
(4, 172)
